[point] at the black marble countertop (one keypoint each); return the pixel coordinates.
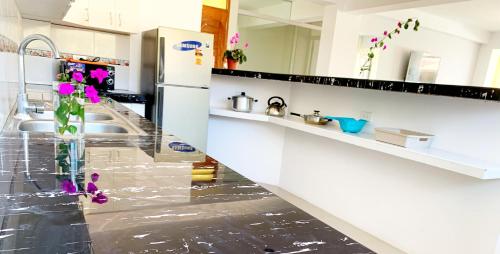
(126, 96)
(160, 199)
(469, 92)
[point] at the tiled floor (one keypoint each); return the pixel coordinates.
(364, 238)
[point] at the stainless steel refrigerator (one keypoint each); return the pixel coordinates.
(176, 68)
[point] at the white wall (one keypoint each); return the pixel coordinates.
(415, 207)
(184, 14)
(252, 148)
(10, 28)
(483, 60)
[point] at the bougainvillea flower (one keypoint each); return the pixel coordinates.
(99, 74)
(77, 76)
(100, 198)
(94, 99)
(246, 45)
(91, 188)
(385, 33)
(385, 46)
(66, 89)
(68, 186)
(374, 39)
(92, 94)
(399, 24)
(94, 177)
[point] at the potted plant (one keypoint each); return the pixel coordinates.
(70, 96)
(235, 55)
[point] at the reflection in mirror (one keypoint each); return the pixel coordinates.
(278, 47)
(273, 8)
(453, 45)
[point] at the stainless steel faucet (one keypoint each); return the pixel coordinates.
(23, 106)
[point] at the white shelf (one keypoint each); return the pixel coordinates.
(240, 115)
(434, 157)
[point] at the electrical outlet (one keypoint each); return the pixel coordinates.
(366, 115)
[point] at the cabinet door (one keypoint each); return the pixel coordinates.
(78, 13)
(102, 14)
(126, 15)
(73, 40)
(111, 45)
(105, 45)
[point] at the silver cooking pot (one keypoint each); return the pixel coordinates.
(242, 102)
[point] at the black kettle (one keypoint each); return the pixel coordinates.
(276, 108)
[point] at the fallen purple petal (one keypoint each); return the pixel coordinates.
(68, 186)
(94, 177)
(100, 198)
(91, 188)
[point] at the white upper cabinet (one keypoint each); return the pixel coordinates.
(126, 15)
(114, 15)
(79, 13)
(111, 45)
(73, 40)
(102, 13)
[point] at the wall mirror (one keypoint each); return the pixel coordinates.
(453, 45)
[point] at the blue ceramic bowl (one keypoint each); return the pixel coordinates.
(348, 124)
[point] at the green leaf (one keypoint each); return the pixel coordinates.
(406, 26)
(81, 113)
(390, 36)
(61, 114)
(62, 130)
(72, 129)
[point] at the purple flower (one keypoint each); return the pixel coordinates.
(246, 45)
(77, 76)
(91, 188)
(66, 89)
(99, 74)
(94, 177)
(92, 94)
(399, 24)
(385, 33)
(374, 39)
(68, 186)
(237, 35)
(99, 198)
(385, 46)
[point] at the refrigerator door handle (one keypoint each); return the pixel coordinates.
(161, 64)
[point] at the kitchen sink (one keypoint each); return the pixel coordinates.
(91, 128)
(89, 116)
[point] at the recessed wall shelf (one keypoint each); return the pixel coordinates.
(434, 157)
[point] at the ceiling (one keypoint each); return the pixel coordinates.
(484, 14)
(258, 4)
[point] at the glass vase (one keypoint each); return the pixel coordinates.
(69, 111)
(70, 162)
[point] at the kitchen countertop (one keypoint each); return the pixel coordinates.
(156, 202)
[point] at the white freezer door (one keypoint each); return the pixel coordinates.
(185, 113)
(184, 57)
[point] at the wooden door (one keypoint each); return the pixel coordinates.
(215, 21)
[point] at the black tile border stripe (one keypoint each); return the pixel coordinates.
(469, 92)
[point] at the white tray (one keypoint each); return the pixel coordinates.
(404, 138)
